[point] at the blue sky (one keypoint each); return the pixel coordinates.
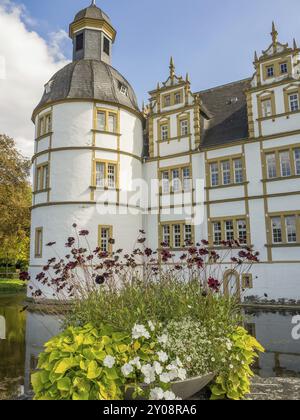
(213, 40)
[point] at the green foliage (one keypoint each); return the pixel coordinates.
(15, 202)
(233, 381)
(73, 365)
(12, 286)
(164, 300)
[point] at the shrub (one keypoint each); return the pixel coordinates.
(233, 381)
(84, 363)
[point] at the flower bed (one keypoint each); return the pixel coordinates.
(143, 321)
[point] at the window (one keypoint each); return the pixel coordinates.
(178, 178)
(164, 132)
(177, 98)
(226, 178)
(238, 171)
(271, 166)
(186, 176)
(229, 230)
(100, 174)
(270, 71)
(123, 89)
(105, 238)
(184, 127)
(176, 182)
(294, 102)
(166, 235)
(217, 232)
(106, 175)
(107, 121)
(165, 182)
(297, 161)
(111, 175)
(38, 243)
(242, 231)
(45, 125)
(276, 230)
(285, 164)
(214, 174)
(106, 45)
(188, 235)
(42, 177)
(291, 229)
(266, 108)
(79, 42)
(101, 123)
(283, 68)
(235, 228)
(112, 123)
(177, 236)
(167, 101)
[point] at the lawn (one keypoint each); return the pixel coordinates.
(12, 286)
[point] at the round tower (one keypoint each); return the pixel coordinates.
(88, 148)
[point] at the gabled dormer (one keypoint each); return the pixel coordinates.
(173, 116)
(277, 63)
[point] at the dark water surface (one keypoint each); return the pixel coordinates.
(22, 336)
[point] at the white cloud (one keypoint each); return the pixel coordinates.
(29, 62)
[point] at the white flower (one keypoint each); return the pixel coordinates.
(149, 374)
(165, 378)
(127, 369)
(169, 396)
(213, 359)
(136, 362)
(178, 362)
(140, 331)
(157, 394)
(163, 357)
(229, 345)
(230, 366)
(158, 368)
(109, 362)
(189, 359)
(182, 374)
(151, 325)
(163, 339)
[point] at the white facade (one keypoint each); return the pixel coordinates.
(176, 120)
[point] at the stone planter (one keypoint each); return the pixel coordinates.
(183, 389)
(188, 388)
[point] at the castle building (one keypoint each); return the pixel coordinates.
(219, 164)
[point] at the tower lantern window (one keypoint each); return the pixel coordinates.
(79, 42)
(106, 46)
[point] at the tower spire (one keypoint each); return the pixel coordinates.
(93, 3)
(172, 69)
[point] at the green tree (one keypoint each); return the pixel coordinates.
(15, 201)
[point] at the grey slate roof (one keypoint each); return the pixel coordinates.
(92, 12)
(89, 79)
(227, 108)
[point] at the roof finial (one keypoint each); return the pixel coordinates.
(274, 34)
(255, 56)
(172, 68)
(93, 3)
(187, 78)
(295, 44)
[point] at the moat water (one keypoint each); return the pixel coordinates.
(22, 335)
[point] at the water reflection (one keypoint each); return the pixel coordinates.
(273, 329)
(27, 332)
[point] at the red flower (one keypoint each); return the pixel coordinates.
(24, 276)
(214, 284)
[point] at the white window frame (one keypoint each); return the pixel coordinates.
(294, 102)
(285, 164)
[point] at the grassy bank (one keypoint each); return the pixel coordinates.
(12, 286)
